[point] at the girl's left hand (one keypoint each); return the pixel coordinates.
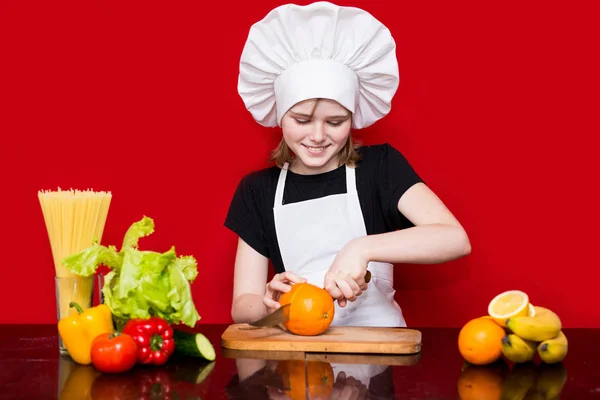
(345, 279)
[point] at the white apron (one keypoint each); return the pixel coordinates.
(311, 233)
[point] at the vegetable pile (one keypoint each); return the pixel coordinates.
(146, 292)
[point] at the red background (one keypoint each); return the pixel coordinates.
(496, 109)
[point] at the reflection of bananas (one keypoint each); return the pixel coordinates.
(543, 326)
(534, 395)
(528, 381)
(518, 383)
(554, 350)
(551, 379)
(516, 349)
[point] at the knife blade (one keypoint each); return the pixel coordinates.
(277, 317)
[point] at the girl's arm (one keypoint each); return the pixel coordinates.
(437, 237)
(249, 281)
(253, 298)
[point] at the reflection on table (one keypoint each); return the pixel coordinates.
(180, 378)
(31, 369)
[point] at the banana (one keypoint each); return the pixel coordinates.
(543, 326)
(554, 350)
(516, 349)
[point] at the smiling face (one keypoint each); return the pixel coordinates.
(316, 131)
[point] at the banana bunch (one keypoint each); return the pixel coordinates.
(540, 332)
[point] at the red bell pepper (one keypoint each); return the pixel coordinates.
(154, 337)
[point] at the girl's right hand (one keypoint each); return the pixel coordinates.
(280, 283)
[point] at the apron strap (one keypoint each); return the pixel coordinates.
(280, 186)
(350, 180)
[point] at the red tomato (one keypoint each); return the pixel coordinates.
(114, 352)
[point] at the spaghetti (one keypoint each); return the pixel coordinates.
(74, 220)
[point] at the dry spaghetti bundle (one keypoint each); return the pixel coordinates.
(74, 220)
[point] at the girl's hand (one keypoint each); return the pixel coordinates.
(345, 280)
(280, 283)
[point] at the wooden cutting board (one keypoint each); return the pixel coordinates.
(337, 339)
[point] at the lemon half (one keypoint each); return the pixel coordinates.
(509, 304)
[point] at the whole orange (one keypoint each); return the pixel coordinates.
(311, 311)
(306, 380)
(480, 341)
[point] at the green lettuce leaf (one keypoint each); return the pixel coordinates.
(188, 266)
(180, 297)
(138, 265)
(86, 262)
(137, 230)
(142, 283)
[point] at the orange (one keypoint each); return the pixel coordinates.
(509, 304)
(480, 341)
(480, 383)
(310, 380)
(311, 311)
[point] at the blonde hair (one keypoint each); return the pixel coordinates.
(348, 154)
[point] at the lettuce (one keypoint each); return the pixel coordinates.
(142, 283)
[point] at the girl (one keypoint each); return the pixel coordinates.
(328, 210)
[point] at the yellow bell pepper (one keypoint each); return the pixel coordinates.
(79, 330)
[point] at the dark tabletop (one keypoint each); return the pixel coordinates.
(30, 368)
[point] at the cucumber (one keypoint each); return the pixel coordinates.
(193, 345)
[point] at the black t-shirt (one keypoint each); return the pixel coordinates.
(382, 176)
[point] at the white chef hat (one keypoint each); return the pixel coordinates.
(321, 50)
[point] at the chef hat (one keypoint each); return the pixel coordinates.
(321, 50)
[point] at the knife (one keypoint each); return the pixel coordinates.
(277, 317)
(282, 314)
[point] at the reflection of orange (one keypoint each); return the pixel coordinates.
(297, 375)
(480, 341)
(480, 382)
(311, 312)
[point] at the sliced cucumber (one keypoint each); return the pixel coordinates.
(194, 345)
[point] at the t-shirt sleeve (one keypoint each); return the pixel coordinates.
(397, 176)
(244, 216)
